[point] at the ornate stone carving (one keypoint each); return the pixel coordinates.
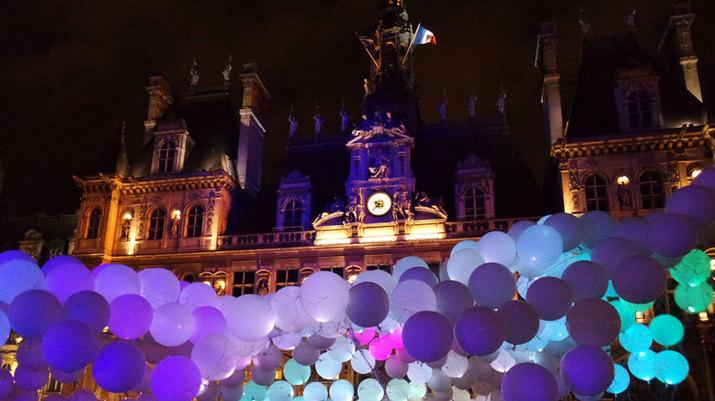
(402, 205)
(356, 210)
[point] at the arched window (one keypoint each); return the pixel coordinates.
(167, 155)
(639, 110)
(195, 221)
(156, 223)
(95, 218)
(596, 192)
(293, 215)
(474, 203)
(652, 190)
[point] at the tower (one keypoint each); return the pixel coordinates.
(546, 60)
(680, 27)
(249, 162)
(160, 98)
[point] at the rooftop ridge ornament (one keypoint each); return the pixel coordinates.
(227, 72)
(378, 126)
(194, 75)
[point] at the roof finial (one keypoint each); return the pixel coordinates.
(631, 20)
(292, 125)
(584, 22)
(194, 74)
(227, 72)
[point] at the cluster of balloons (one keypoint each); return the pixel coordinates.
(417, 333)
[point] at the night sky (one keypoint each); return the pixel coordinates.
(70, 71)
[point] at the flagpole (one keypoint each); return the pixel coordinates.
(410, 46)
(367, 51)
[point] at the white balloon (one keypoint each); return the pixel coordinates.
(114, 280)
(455, 366)
(315, 391)
(287, 341)
(216, 357)
(418, 372)
(395, 367)
(196, 295)
(342, 349)
(410, 297)
(324, 296)
(159, 286)
(250, 318)
(466, 244)
(379, 277)
(289, 313)
(363, 362)
(370, 390)
(341, 390)
(498, 247)
(173, 324)
(327, 367)
(462, 264)
(407, 263)
(398, 390)
(280, 391)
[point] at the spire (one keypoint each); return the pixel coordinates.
(122, 165)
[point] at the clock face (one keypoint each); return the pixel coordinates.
(379, 203)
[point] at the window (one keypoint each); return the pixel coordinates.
(156, 223)
(385, 268)
(293, 215)
(652, 190)
(167, 155)
(243, 283)
(285, 278)
(596, 193)
(639, 111)
(95, 217)
(474, 203)
(195, 221)
(340, 271)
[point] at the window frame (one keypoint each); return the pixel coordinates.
(651, 199)
(194, 221)
(94, 222)
(166, 156)
(156, 231)
(296, 215)
(471, 196)
(291, 277)
(603, 199)
(246, 285)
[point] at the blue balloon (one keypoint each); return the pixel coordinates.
(119, 367)
(18, 273)
(621, 380)
(69, 345)
(89, 308)
(173, 370)
(419, 273)
(427, 336)
(671, 367)
(636, 338)
(528, 382)
(33, 311)
(4, 327)
(642, 364)
(587, 370)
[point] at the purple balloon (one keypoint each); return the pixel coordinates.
(635, 230)
(369, 303)
(492, 284)
(130, 316)
(611, 251)
(119, 367)
(517, 228)
(586, 279)
(421, 274)
(89, 308)
(693, 201)
(453, 298)
(587, 370)
(480, 331)
(304, 354)
(320, 342)
(29, 354)
(209, 320)
(639, 280)
(521, 321)
(66, 276)
(594, 322)
(427, 336)
(528, 382)
(30, 380)
(550, 296)
(33, 311)
(69, 345)
(597, 226)
(569, 226)
(671, 235)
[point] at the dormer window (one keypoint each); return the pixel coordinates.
(474, 203)
(167, 156)
(474, 189)
(637, 96)
(293, 215)
(293, 204)
(172, 145)
(640, 113)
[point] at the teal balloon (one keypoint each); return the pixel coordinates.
(636, 338)
(642, 364)
(693, 269)
(637, 307)
(610, 291)
(280, 390)
(671, 367)
(694, 299)
(621, 380)
(628, 317)
(666, 330)
(295, 373)
(253, 391)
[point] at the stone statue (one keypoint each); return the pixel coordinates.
(292, 125)
(624, 197)
(472, 105)
(336, 205)
(501, 103)
(356, 209)
(585, 23)
(194, 73)
(631, 20)
(126, 224)
(175, 228)
(344, 119)
(318, 119)
(379, 169)
(367, 86)
(262, 286)
(443, 107)
(227, 73)
(402, 205)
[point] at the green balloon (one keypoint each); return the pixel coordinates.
(295, 373)
(637, 307)
(666, 330)
(694, 299)
(693, 269)
(628, 317)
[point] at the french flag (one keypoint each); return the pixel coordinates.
(424, 36)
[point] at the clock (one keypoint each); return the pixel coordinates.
(379, 203)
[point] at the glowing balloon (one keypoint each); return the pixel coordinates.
(379, 277)
(254, 391)
(263, 377)
(4, 327)
(304, 354)
(325, 295)
(568, 226)
(693, 269)
(418, 372)
(634, 230)
(159, 286)
(18, 273)
(671, 235)
(636, 338)
(250, 318)
(130, 316)
(295, 373)
(398, 390)
(517, 228)
(289, 314)
(176, 378)
(479, 331)
(89, 308)
(215, 356)
(628, 317)
(538, 247)
(370, 390)
(639, 279)
(33, 311)
(363, 362)
(462, 263)
(380, 348)
(666, 330)
(497, 247)
(113, 280)
(528, 382)
(421, 274)
(550, 296)
(694, 299)
(455, 366)
(341, 390)
(671, 367)
(492, 284)
(453, 298)
(693, 201)
(593, 321)
(597, 226)
(315, 391)
(280, 390)
(173, 324)
(342, 350)
(642, 364)
(586, 279)
(407, 263)
(196, 295)
(69, 345)
(610, 252)
(29, 354)
(587, 370)
(521, 321)
(410, 297)
(268, 359)
(369, 304)
(30, 380)
(208, 320)
(427, 336)
(67, 278)
(395, 367)
(621, 380)
(327, 367)
(119, 367)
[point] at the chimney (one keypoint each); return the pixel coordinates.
(680, 25)
(160, 98)
(249, 163)
(546, 61)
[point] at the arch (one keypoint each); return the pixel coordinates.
(652, 189)
(195, 221)
(157, 222)
(474, 201)
(293, 214)
(596, 188)
(167, 156)
(94, 219)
